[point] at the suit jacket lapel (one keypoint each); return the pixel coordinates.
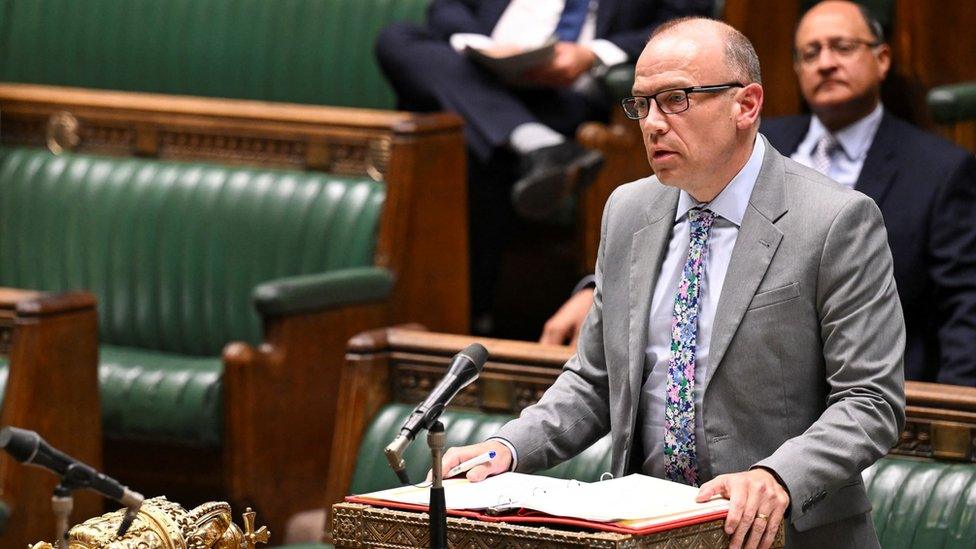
(648, 247)
(880, 165)
(754, 249)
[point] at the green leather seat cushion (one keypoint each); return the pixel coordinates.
(161, 397)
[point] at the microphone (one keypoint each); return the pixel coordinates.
(29, 448)
(464, 369)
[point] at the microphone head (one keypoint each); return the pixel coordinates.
(477, 353)
(19, 443)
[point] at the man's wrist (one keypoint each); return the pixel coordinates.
(511, 450)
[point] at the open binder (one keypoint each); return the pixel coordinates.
(635, 504)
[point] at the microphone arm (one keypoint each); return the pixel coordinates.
(29, 448)
(464, 369)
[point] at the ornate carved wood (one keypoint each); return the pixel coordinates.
(420, 156)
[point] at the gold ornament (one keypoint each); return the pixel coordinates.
(162, 524)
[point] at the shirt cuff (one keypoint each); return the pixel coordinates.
(588, 281)
(510, 449)
(462, 40)
(607, 54)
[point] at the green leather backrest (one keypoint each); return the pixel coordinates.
(373, 471)
(173, 250)
(923, 504)
(301, 51)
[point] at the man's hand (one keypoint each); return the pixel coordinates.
(567, 64)
(564, 326)
(501, 463)
(758, 503)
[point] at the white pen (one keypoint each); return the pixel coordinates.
(466, 466)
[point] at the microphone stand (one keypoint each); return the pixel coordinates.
(437, 440)
(62, 503)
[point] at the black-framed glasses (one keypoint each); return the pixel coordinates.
(841, 47)
(670, 101)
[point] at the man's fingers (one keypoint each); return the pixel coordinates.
(769, 535)
(737, 495)
(710, 489)
(760, 525)
(480, 473)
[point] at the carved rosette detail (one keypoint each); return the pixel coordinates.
(915, 440)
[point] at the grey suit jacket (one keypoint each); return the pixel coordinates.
(807, 348)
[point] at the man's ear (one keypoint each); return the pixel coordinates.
(883, 55)
(750, 105)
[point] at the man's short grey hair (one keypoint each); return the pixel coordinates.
(740, 55)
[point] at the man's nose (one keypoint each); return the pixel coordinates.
(826, 60)
(656, 120)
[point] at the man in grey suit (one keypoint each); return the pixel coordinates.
(746, 334)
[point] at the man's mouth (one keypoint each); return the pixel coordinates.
(663, 154)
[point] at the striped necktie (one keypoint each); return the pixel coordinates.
(823, 153)
(680, 459)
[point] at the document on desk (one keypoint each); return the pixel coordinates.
(637, 500)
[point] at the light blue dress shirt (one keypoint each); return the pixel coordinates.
(729, 208)
(854, 141)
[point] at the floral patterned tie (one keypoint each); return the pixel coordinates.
(680, 461)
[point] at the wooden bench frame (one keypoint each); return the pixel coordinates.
(403, 364)
(51, 342)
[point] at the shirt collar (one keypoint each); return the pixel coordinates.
(732, 202)
(854, 140)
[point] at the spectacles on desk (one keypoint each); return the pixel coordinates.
(843, 48)
(671, 101)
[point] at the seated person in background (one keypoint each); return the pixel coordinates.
(520, 148)
(745, 334)
(924, 185)
(426, 67)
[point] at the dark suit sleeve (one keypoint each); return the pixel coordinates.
(633, 37)
(952, 270)
(447, 17)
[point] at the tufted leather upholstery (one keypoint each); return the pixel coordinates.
(299, 51)
(373, 473)
(173, 252)
(923, 504)
(953, 102)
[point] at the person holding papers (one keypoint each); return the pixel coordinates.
(746, 334)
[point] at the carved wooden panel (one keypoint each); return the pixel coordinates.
(356, 525)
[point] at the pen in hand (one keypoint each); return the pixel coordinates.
(466, 466)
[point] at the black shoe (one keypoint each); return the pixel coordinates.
(550, 175)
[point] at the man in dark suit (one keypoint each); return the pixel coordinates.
(925, 187)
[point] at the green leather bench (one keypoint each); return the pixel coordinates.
(952, 102)
(184, 259)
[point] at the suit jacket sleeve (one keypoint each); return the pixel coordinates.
(632, 39)
(952, 270)
(574, 412)
(863, 335)
(447, 17)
